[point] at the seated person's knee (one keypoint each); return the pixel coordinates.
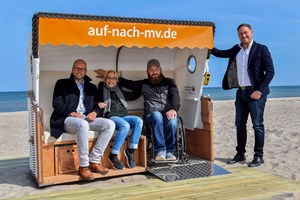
(156, 115)
(173, 121)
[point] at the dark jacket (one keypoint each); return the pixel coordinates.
(159, 97)
(260, 67)
(117, 108)
(65, 100)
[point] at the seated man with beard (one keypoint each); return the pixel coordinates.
(161, 103)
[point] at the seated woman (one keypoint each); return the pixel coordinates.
(113, 100)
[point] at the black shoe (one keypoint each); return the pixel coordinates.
(237, 158)
(130, 159)
(117, 164)
(256, 162)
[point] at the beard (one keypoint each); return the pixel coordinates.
(155, 79)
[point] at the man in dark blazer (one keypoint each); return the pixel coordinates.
(75, 112)
(250, 69)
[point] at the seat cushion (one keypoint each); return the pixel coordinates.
(67, 137)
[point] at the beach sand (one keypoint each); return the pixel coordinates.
(281, 152)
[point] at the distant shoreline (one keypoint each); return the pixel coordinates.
(17, 101)
(214, 100)
(203, 87)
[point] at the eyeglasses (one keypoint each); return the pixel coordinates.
(79, 69)
(111, 78)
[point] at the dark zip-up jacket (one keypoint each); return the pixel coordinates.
(260, 67)
(65, 100)
(160, 97)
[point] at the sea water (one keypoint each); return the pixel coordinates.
(17, 101)
(217, 93)
(13, 101)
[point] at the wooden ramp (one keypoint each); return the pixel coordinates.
(243, 183)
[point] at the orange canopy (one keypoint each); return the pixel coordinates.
(83, 32)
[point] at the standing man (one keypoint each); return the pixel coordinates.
(161, 103)
(75, 112)
(250, 69)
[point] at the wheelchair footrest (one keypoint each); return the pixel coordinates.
(164, 161)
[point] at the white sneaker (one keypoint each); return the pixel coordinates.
(170, 156)
(160, 156)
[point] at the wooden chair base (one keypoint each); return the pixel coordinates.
(59, 163)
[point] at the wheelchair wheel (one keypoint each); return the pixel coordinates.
(181, 142)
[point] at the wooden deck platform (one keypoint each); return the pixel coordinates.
(242, 183)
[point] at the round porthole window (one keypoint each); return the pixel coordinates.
(192, 64)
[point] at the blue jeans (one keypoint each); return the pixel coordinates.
(245, 105)
(164, 131)
(123, 125)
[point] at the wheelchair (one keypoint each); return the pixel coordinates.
(180, 152)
